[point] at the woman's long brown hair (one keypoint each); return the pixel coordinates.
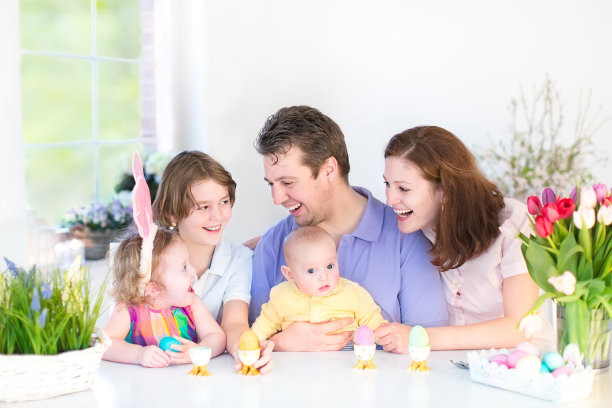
(468, 222)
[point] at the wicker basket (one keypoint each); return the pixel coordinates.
(31, 376)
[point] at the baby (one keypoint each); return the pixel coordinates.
(314, 291)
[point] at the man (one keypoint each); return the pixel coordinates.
(306, 166)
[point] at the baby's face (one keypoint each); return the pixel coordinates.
(315, 268)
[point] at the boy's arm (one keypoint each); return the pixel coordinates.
(121, 351)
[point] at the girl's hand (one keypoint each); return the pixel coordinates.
(179, 354)
(393, 337)
(153, 356)
(264, 364)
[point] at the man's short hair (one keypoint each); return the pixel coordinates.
(315, 134)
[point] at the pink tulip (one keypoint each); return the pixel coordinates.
(600, 191)
(543, 227)
(533, 205)
(550, 212)
(548, 196)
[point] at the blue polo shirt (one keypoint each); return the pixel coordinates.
(393, 267)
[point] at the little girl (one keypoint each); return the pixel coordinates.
(152, 287)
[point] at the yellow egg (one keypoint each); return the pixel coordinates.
(248, 341)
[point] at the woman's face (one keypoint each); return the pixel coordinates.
(210, 214)
(415, 200)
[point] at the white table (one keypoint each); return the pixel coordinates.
(306, 380)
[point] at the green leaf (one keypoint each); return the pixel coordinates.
(541, 266)
(596, 287)
(569, 255)
(585, 270)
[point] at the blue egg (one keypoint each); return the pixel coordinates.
(552, 360)
(544, 369)
(167, 342)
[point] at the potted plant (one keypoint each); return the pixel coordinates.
(98, 223)
(47, 341)
(569, 257)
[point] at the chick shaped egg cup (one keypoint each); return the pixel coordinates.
(248, 352)
(418, 348)
(364, 347)
(200, 356)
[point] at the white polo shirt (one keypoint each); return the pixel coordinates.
(228, 278)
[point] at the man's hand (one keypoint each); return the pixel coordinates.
(304, 336)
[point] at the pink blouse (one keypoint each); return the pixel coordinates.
(474, 290)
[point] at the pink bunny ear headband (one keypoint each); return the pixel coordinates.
(143, 218)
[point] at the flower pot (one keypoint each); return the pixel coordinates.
(596, 347)
(31, 376)
(96, 243)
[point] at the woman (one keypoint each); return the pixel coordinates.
(195, 196)
(434, 185)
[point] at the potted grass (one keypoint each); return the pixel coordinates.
(47, 342)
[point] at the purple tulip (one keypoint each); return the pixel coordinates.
(600, 191)
(574, 194)
(548, 196)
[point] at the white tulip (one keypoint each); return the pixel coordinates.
(584, 217)
(604, 215)
(531, 324)
(588, 198)
(565, 283)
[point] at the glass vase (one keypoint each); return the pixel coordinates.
(596, 331)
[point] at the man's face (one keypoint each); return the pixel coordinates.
(293, 186)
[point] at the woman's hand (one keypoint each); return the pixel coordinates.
(393, 337)
(153, 356)
(180, 355)
(264, 364)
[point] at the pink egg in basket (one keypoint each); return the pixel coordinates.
(500, 359)
(514, 358)
(564, 370)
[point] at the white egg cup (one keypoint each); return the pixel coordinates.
(248, 358)
(200, 356)
(364, 354)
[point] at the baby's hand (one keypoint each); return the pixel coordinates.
(179, 354)
(153, 356)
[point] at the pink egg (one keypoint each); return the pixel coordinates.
(528, 348)
(500, 359)
(514, 357)
(364, 336)
(563, 370)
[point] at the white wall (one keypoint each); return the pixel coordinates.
(380, 67)
(13, 220)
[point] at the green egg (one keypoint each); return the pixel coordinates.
(418, 337)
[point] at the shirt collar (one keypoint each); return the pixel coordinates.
(370, 226)
(221, 258)
(430, 234)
